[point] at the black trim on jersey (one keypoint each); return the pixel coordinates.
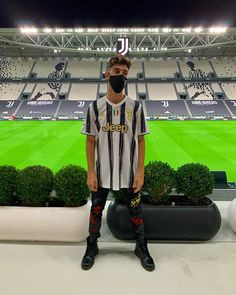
(98, 166)
(121, 145)
(88, 129)
(133, 145)
(110, 148)
(98, 162)
(143, 125)
(95, 107)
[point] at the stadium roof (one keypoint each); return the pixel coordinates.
(102, 42)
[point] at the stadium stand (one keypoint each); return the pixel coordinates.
(208, 108)
(160, 68)
(190, 88)
(231, 105)
(63, 93)
(15, 68)
(161, 91)
(27, 91)
(224, 67)
(132, 91)
(84, 69)
(85, 91)
(200, 90)
(218, 91)
(136, 71)
(72, 109)
(48, 69)
(37, 109)
(10, 91)
(8, 108)
(45, 91)
(229, 89)
(166, 109)
(102, 89)
(195, 68)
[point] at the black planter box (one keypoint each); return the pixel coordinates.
(192, 223)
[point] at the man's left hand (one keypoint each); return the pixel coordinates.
(138, 182)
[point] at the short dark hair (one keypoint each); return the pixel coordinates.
(119, 59)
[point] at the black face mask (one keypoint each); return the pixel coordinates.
(118, 83)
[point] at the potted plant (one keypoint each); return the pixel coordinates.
(188, 215)
(36, 215)
(159, 180)
(8, 175)
(34, 185)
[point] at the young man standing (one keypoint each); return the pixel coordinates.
(115, 147)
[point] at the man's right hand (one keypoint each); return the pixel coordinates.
(92, 181)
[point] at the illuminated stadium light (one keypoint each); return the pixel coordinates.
(189, 50)
(59, 30)
(166, 30)
(187, 30)
(137, 30)
(79, 30)
(176, 30)
(198, 30)
(123, 30)
(107, 30)
(217, 29)
(55, 50)
(69, 30)
(98, 49)
(47, 30)
(153, 30)
(28, 30)
(92, 30)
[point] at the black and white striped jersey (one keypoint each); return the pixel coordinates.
(116, 127)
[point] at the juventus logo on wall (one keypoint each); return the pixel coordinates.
(122, 45)
(165, 104)
(10, 104)
(80, 104)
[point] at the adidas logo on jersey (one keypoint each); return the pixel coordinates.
(113, 127)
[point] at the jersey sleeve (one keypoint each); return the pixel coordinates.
(142, 126)
(89, 125)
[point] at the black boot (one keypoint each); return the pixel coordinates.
(91, 252)
(142, 252)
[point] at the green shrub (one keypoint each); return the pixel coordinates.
(195, 181)
(8, 175)
(34, 185)
(159, 179)
(70, 184)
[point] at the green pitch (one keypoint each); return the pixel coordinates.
(57, 143)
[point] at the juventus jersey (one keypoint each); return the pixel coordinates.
(116, 127)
